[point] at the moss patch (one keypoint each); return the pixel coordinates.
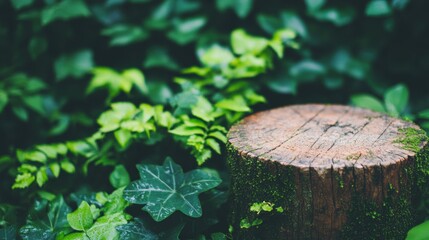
(411, 138)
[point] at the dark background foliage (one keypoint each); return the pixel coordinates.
(49, 48)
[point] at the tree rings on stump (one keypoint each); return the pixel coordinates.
(324, 172)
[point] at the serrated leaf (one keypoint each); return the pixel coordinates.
(367, 101)
(23, 180)
(165, 189)
(81, 218)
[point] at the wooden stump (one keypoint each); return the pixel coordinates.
(337, 172)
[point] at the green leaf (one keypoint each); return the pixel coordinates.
(218, 236)
(119, 177)
(46, 226)
(396, 99)
(37, 46)
(424, 114)
(4, 99)
(204, 110)
(76, 236)
(159, 57)
(18, 4)
(135, 230)
(378, 8)
(8, 233)
(115, 203)
(243, 7)
(307, 70)
(314, 4)
(236, 104)
(244, 43)
(215, 56)
(23, 180)
(419, 232)
(105, 227)
(183, 130)
(68, 166)
(20, 112)
(55, 169)
(66, 9)
(41, 176)
(74, 65)
(122, 35)
(123, 137)
(136, 77)
(81, 218)
(213, 145)
(165, 189)
(367, 101)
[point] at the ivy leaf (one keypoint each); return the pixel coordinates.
(46, 226)
(136, 230)
(81, 218)
(165, 189)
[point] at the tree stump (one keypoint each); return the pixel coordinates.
(337, 172)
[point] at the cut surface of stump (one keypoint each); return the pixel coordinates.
(338, 172)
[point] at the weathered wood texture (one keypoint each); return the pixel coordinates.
(339, 172)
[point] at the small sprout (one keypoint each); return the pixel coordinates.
(263, 206)
(246, 224)
(279, 209)
(230, 229)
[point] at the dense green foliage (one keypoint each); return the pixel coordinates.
(94, 93)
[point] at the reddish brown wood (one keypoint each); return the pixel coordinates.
(335, 152)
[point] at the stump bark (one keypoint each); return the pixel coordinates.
(337, 172)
